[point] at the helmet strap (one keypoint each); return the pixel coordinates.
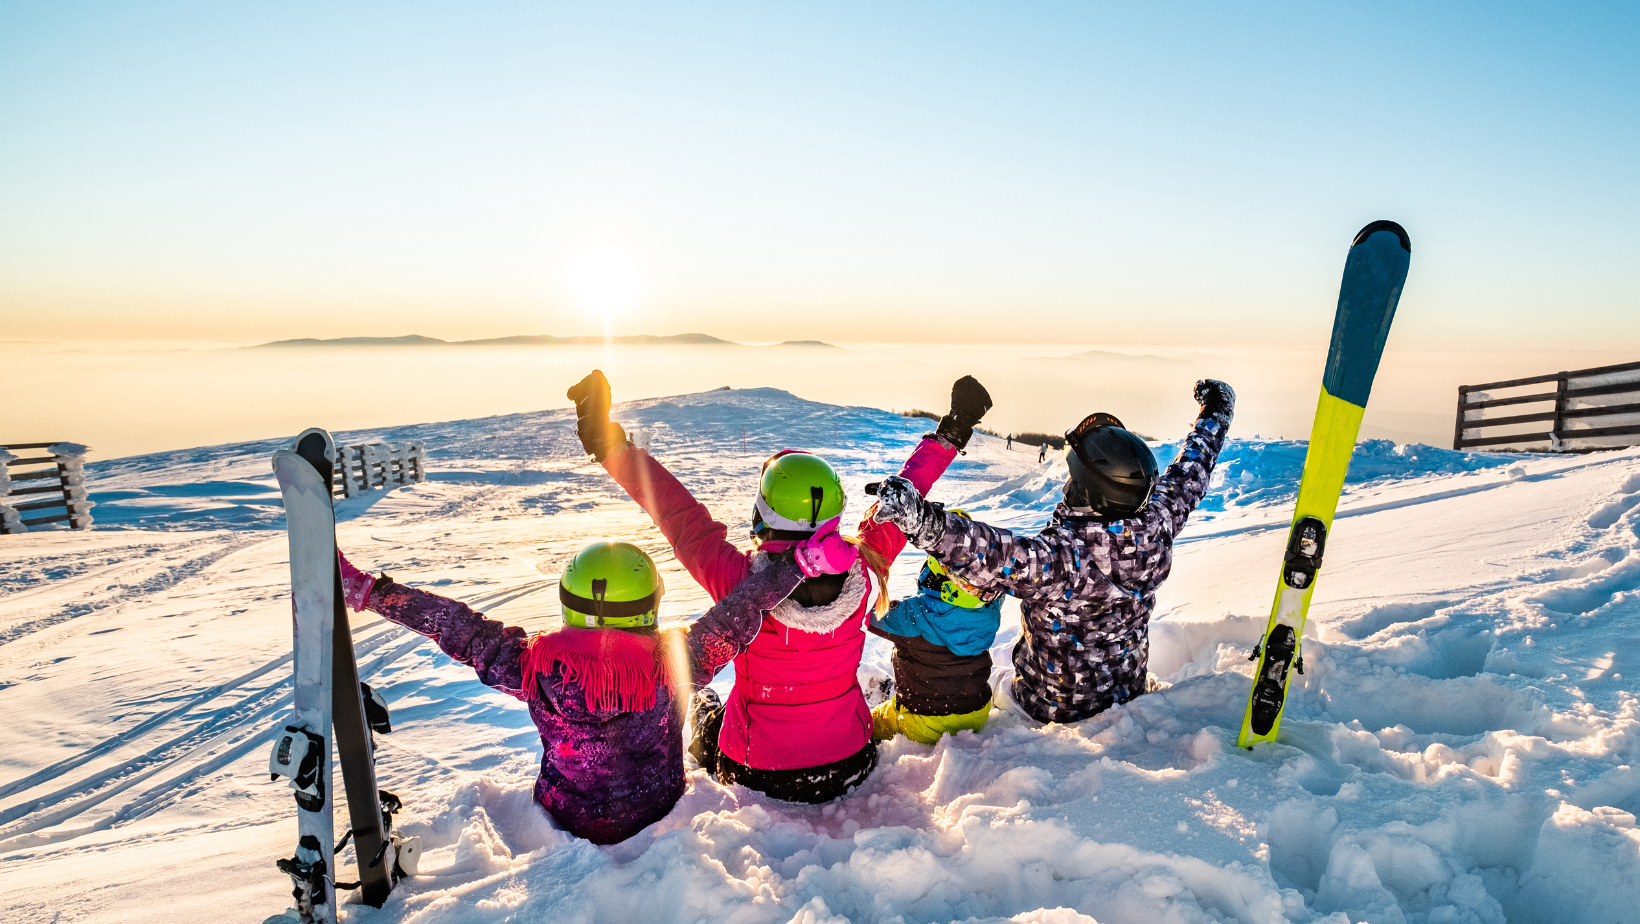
(600, 608)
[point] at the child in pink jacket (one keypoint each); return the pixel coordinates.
(796, 725)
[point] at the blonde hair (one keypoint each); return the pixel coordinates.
(877, 567)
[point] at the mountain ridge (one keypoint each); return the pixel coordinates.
(418, 340)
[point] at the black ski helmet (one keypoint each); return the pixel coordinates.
(1112, 470)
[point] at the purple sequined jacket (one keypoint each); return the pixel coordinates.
(605, 775)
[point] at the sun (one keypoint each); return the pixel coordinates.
(604, 282)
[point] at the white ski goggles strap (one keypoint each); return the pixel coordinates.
(774, 520)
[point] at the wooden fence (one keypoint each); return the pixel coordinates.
(1587, 410)
(42, 483)
(368, 466)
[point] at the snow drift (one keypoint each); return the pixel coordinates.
(1462, 748)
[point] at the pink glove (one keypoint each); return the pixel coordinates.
(356, 585)
(826, 552)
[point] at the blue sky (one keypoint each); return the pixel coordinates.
(1079, 172)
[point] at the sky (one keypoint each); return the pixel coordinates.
(968, 173)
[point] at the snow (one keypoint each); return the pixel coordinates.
(1462, 748)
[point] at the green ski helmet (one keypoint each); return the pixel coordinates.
(948, 587)
(799, 491)
(611, 584)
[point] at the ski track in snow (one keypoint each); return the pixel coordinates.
(1462, 747)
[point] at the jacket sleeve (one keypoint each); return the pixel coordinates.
(1185, 482)
(493, 650)
(699, 541)
(1049, 563)
(927, 463)
(996, 558)
(727, 629)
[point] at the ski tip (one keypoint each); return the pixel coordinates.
(315, 445)
(1384, 225)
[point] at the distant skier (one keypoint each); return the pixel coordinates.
(796, 725)
(942, 639)
(1042, 452)
(598, 688)
(1010, 445)
(1087, 582)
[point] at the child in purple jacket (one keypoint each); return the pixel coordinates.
(600, 689)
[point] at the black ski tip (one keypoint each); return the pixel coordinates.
(316, 446)
(1384, 224)
(312, 448)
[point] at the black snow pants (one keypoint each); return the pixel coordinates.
(801, 784)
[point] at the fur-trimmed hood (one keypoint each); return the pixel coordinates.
(826, 618)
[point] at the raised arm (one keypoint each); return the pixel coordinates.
(490, 648)
(698, 540)
(997, 559)
(969, 402)
(1185, 482)
(927, 463)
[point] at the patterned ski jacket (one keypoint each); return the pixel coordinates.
(606, 773)
(1086, 587)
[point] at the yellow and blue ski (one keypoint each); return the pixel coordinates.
(1374, 273)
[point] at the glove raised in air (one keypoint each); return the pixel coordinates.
(599, 435)
(1218, 400)
(969, 402)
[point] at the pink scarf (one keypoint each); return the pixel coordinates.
(616, 670)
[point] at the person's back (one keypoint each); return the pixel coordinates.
(609, 768)
(1087, 581)
(942, 638)
(806, 656)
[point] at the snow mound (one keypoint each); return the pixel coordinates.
(1461, 747)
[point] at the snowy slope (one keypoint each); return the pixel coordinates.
(1462, 747)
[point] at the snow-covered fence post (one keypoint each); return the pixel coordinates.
(70, 458)
(10, 520)
(373, 453)
(367, 466)
(418, 462)
(67, 471)
(347, 465)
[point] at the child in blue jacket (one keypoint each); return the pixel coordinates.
(942, 639)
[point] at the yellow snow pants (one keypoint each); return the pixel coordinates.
(889, 720)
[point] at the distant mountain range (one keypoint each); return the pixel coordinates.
(417, 340)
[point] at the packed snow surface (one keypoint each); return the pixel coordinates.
(1463, 746)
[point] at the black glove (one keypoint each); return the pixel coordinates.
(899, 502)
(599, 435)
(1217, 399)
(969, 402)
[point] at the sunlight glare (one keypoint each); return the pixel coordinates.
(604, 282)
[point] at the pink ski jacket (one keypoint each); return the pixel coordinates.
(796, 701)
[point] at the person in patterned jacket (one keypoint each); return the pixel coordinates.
(1087, 582)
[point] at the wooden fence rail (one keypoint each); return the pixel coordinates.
(42, 483)
(368, 466)
(1586, 410)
